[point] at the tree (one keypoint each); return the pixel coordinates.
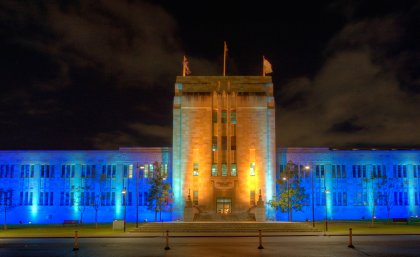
(159, 195)
(80, 203)
(392, 185)
(292, 196)
(96, 204)
(99, 198)
(6, 204)
(376, 185)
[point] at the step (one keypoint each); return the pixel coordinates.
(225, 227)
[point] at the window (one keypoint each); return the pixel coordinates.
(51, 198)
(224, 169)
(319, 171)
(41, 198)
(82, 198)
(83, 175)
(125, 170)
(252, 197)
(195, 170)
(195, 197)
(233, 117)
(399, 171)
(130, 171)
(343, 171)
(252, 169)
(224, 142)
(165, 170)
(146, 170)
(233, 143)
(338, 171)
(214, 170)
(214, 144)
(344, 198)
(67, 200)
(224, 117)
(214, 117)
(72, 198)
(68, 171)
(233, 169)
(114, 171)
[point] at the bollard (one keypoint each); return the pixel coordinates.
(167, 240)
(350, 238)
(76, 243)
(260, 246)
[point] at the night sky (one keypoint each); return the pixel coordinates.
(100, 74)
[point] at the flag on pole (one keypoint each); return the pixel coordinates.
(185, 67)
(225, 49)
(266, 67)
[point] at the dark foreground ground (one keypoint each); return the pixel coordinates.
(377, 245)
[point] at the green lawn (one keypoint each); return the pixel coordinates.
(365, 227)
(105, 229)
(58, 230)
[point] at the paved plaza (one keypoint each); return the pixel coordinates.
(402, 245)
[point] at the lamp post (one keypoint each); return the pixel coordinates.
(137, 193)
(307, 168)
(124, 192)
(288, 198)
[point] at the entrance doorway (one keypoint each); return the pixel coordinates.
(224, 205)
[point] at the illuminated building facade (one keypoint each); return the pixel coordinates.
(223, 155)
(223, 143)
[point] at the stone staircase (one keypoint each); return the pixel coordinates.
(156, 227)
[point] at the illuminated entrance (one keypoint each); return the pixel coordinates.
(224, 205)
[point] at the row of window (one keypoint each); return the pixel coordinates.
(224, 143)
(224, 117)
(108, 198)
(87, 171)
(361, 199)
(69, 199)
(6, 170)
(215, 172)
(358, 171)
(6, 197)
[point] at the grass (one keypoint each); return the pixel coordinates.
(365, 227)
(105, 229)
(58, 230)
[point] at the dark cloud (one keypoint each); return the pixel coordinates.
(63, 59)
(100, 73)
(357, 97)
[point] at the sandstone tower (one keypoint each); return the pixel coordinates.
(223, 144)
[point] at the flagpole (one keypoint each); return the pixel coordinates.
(183, 67)
(224, 59)
(263, 73)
